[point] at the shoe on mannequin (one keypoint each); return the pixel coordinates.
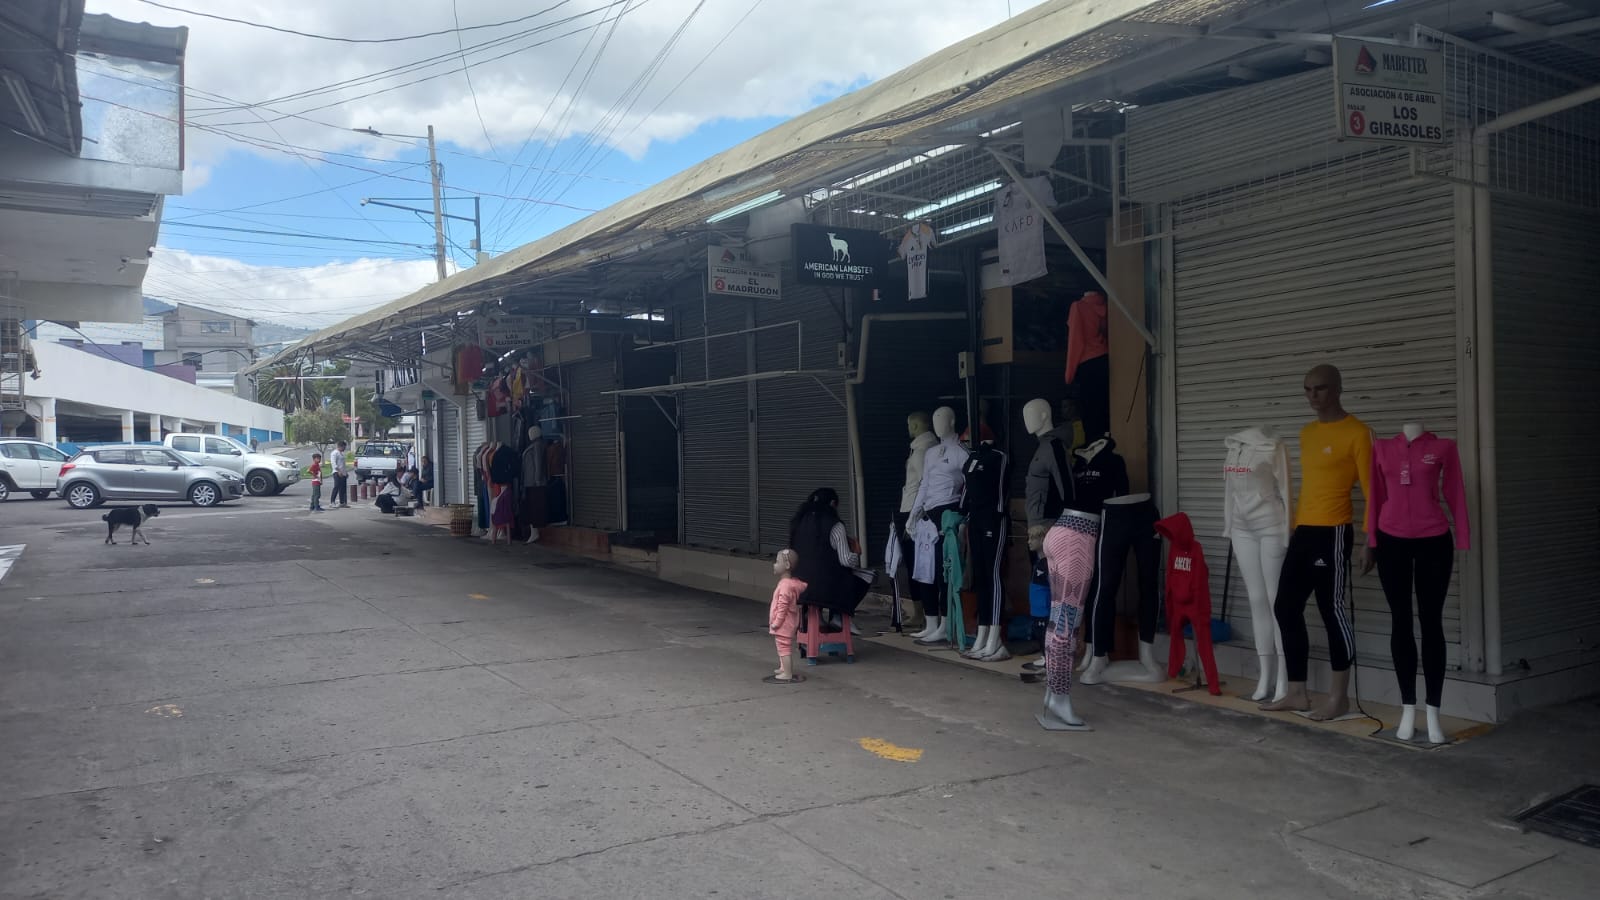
(1338, 702)
(1058, 714)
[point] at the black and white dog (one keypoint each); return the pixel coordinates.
(129, 515)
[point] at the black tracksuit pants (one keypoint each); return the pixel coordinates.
(986, 545)
(1318, 561)
(1124, 528)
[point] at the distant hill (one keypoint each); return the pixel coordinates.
(154, 307)
(270, 333)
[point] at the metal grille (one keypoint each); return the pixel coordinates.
(1555, 157)
(450, 477)
(592, 453)
(715, 422)
(1236, 156)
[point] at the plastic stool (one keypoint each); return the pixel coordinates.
(832, 645)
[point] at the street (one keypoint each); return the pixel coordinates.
(270, 703)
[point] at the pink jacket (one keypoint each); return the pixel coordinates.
(784, 615)
(1407, 480)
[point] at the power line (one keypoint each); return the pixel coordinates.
(294, 234)
(455, 13)
(349, 40)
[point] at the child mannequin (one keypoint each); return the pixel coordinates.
(783, 618)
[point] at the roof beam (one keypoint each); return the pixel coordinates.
(1526, 32)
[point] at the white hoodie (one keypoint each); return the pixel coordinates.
(1256, 491)
(919, 451)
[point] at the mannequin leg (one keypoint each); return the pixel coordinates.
(1295, 585)
(1247, 549)
(1434, 561)
(1112, 560)
(1333, 599)
(1272, 554)
(1396, 571)
(1147, 563)
(1436, 733)
(1070, 555)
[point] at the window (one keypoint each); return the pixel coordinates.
(14, 451)
(47, 454)
(218, 445)
(113, 457)
(192, 359)
(186, 444)
(152, 457)
(216, 328)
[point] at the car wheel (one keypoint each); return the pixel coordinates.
(280, 489)
(204, 494)
(261, 483)
(5, 489)
(82, 495)
(41, 495)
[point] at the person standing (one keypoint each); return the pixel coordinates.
(341, 479)
(316, 482)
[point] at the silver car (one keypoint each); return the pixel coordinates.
(142, 472)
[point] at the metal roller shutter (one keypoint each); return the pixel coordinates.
(1363, 279)
(477, 431)
(1547, 327)
(715, 426)
(802, 436)
(592, 454)
(452, 465)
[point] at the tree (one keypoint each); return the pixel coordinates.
(286, 395)
(377, 423)
(322, 427)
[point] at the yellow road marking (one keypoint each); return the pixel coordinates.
(886, 750)
(477, 596)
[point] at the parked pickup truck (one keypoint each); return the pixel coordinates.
(376, 459)
(264, 474)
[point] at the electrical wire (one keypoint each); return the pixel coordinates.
(348, 40)
(467, 73)
(295, 234)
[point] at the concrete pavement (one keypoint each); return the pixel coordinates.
(268, 703)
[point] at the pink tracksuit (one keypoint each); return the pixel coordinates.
(1407, 480)
(783, 617)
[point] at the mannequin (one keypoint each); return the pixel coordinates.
(919, 427)
(1069, 550)
(941, 489)
(534, 478)
(783, 617)
(1255, 518)
(985, 508)
(1412, 548)
(1049, 481)
(504, 466)
(1088, 362)
(555, 456)
(1128, 525)
(1335, 455)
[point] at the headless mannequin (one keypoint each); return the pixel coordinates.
(984, 505)
(919, 427)
(1256, 522)
(1147, 670)
(534, 478)
(1408, 712)
(937, 464)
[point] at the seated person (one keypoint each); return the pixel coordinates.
(424, 481)
(827, 562)
(389, 496)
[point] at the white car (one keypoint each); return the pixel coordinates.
(264, 474)
(30, 466)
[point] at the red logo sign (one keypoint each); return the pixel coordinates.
(1358, 123)
(721, 285)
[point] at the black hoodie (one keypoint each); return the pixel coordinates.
(1099, 478)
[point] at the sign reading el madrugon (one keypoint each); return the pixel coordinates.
(847, 257)
(1388, 93)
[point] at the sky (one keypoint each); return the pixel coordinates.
(576, 106)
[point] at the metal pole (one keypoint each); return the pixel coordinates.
(352, 412)
(969, 271)
(438, 205)
(477, 229)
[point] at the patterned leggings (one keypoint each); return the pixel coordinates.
(1069, 551)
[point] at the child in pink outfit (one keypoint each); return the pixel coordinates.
(783, 617)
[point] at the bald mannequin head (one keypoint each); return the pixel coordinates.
(1324, 387)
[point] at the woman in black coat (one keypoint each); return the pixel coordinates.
(827, 564)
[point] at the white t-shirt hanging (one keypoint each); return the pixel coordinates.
(1021, 230)
(914, 249)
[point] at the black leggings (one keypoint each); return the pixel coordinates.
(1125, 527)
(986, 541)
(1318, 560)
(1424, 563)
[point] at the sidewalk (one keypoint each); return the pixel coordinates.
(1163, 786)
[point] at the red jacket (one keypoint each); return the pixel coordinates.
(1188, 579)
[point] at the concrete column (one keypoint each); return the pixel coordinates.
(127, 425)
(156, 427)
(47, 420)
(220, 428)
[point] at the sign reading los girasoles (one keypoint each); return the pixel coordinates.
(1388, 93)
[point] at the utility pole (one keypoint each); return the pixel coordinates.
(438, 214)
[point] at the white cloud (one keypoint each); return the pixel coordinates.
(777, 63)
(304, 296)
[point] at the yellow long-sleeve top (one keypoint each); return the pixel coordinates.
(1334, 457)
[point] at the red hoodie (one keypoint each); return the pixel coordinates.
(1188, 597)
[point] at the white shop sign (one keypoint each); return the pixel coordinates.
(502, 333)
(1388, 93)
(731, 271)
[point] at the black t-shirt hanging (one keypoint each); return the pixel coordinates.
(1099, 478)
(986, 482)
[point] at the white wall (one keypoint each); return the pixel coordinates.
(71, 375)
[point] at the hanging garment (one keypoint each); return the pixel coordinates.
(954, 575)
(942, 477)
(914, 247)
(985, 508)
(498, 400)
(920, 445)
(1409, 478)
(1256, 492)
(1019, 225)
(924, 563)
(1094, 396)
(469, 365)
(1423, 565)
(893, 555)
(1127, 527)
(534, 473)
(1334, 457)
(985, 434)
(1069, 550)
(1188, 598)
(1318, 561)
(1098, 474)
(1086, 332)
